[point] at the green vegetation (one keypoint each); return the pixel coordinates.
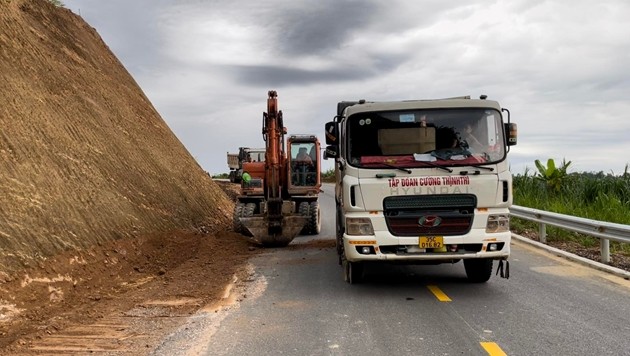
(597, 196)
(220, 176)
(329, 176)
(554, 178)
(57, 3)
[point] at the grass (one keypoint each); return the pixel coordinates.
(597, 196)
(329, 176)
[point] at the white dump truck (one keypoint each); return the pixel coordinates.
(422, 182)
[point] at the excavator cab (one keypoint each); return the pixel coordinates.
(303, 165)
(254, 187)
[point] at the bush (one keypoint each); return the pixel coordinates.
(329, 176)
(597, 196)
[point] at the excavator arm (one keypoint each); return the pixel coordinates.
(278, 222)
(273, 134)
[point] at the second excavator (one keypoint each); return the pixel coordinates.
(280, 200)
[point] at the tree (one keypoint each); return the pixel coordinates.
(554, 178)
(57, 3)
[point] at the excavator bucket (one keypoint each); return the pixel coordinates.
(271, 233)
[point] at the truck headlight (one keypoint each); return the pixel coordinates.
(359, 226)
(498, 223)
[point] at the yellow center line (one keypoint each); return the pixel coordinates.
(492, 349)
(441, 296)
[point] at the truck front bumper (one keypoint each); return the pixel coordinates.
(375, 248)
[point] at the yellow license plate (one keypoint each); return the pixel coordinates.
(431, 241)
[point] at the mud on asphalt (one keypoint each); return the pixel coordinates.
(124, 296)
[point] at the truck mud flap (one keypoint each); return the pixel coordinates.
(504, 273)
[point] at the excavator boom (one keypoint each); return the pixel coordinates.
(277, 222)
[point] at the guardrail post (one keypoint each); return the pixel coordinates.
(604, 231)
(605, 250)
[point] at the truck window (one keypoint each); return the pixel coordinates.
(447, 137)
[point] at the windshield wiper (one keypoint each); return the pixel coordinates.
(437, 166)
(408, 171)
(396, 167)
(482, 167)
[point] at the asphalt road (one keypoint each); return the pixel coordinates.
(549, 306)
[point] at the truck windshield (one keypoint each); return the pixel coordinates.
(425, 138)
(256, 156)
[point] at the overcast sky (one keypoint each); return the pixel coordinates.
(561, 67)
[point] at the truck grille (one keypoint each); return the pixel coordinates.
(426, 215)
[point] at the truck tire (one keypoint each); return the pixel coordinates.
(352, 271)
(478, 270)
(338, 234)
(236, 217)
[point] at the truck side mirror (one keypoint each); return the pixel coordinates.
(331, 152)
(332, 133)
(511, 133)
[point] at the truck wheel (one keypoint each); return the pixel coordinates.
(478, 270)
(236, 218)
(338, 234)
(315, 219)
(353, 271)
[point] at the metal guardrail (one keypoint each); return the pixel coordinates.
(605, 231)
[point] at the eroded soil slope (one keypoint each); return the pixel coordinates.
(84, 156)
(104, 215)
(123, 296)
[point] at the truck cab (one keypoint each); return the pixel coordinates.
(422, 181)
(245, 155)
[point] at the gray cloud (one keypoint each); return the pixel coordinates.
(130, 28)
(323, 26)
(275, 75)
(563, 69)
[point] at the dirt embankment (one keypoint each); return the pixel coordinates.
(84, 156)
(123, 296)
(106, 220)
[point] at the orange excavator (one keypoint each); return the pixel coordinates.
(280, 200)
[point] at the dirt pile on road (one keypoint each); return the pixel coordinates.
(124, 295)
(84, 157)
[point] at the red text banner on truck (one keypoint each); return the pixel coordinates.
(422, 182)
